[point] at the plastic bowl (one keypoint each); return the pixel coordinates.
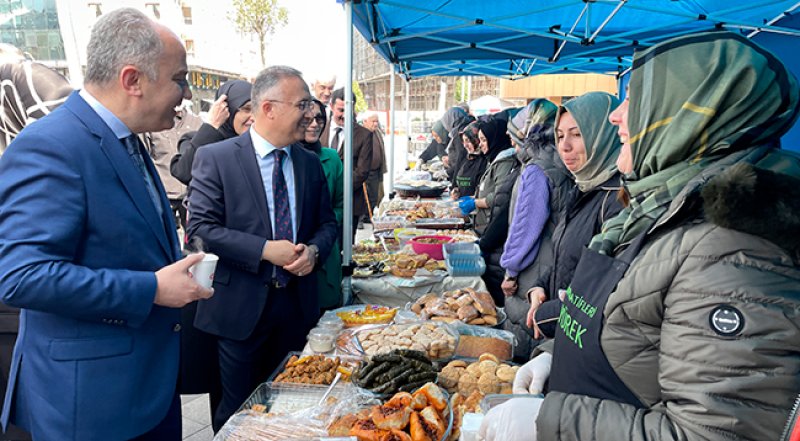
(434, 250)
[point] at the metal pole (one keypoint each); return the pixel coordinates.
(391, 127)
(347, 222)
(408, 121)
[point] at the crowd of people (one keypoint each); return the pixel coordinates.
(645, 250)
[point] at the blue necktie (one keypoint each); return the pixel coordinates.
(132, 145)
(283, 217)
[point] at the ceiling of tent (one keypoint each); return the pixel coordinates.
(517, 38)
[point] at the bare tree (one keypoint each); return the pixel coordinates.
(259, 17)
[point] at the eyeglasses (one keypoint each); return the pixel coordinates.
(319, 118)
(303, 105)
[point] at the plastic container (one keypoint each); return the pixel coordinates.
(388, 222)
(330, 321)
(434, 250)
(463, 259)
(321, 340)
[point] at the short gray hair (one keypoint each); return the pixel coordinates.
(268, 79)
(120, 37)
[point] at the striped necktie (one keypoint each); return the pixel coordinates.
(283, 216)
(134, 151)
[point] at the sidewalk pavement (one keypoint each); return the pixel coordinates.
(196, 418)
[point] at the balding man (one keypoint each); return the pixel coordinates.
(89, 250)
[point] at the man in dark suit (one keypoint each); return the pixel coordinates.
(260, 201)
(362, 154)
(88, 248)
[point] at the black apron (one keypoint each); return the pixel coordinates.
(579, 365)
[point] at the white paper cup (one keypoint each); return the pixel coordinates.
(203, 272)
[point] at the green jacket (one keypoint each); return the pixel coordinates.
(330, 273)
(729, 238)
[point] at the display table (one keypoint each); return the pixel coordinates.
(397, 291)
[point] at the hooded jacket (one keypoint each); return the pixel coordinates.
(704, 327)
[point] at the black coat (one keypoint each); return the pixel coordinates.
(181, 165)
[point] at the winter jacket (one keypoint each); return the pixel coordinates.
(495, 175)
(720, 242)
(582, 218)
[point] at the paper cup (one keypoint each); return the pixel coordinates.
(203, 272)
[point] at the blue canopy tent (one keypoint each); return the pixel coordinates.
(514, 39)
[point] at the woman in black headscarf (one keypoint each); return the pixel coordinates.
(230, 115)
(474, 164)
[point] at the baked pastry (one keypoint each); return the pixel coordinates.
(392, 415)
(488, 356)
(483, 301)
(474, 346)
(426, 425)
(341, 426)
(366, 430)
(434, 395)
(467, 313)
(396, 435)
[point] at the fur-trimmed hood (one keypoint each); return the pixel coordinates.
(756, 201)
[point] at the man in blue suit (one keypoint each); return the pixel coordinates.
(88, 249)
(260, 202)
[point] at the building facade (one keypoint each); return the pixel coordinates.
(56, 33)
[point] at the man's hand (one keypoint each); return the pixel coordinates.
(280, 252)
(536, 296)
(304, 264)
(176, 287)
(509, 287)
(219, 113)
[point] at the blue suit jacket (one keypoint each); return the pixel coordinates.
(228, 211)
(79, 243)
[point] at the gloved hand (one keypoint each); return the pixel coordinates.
(514, 420)
(532, 375)
(467, 205)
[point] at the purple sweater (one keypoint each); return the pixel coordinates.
(530, 215)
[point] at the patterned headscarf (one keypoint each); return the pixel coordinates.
(471, 132)
(696, 100)
(537, 111)
(535, 118)
(600, 138)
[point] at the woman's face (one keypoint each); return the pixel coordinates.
(243, 118)
(619, 117)
(571, 148)
(484, 142)
(436, 137)
(314, 128)
(467, 144)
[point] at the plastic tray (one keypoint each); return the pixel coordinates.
(287, 397)
(463, 259)
(394, 341)
(352, 363)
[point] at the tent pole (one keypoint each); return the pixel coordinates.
(391, 127)
(347, 222)
(408, 122)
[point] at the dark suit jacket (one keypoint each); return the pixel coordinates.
(228, 211)
(362, 164)
(80, 241)
(181, 164)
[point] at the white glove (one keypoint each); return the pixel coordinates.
(514, 420)
(532, 375)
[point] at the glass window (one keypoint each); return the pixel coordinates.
(187, 15)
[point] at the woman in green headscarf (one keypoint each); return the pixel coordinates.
(588, 144)
(700, 330)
